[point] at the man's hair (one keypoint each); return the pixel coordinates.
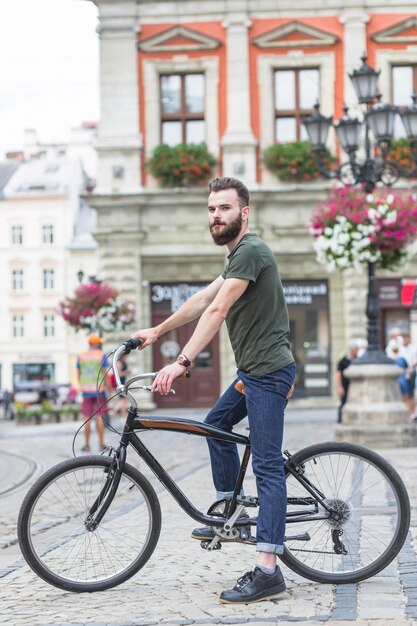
(225, 182)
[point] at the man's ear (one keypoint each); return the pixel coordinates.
(245, 213)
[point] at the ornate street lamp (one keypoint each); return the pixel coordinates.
(379, 119)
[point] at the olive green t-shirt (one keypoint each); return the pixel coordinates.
(258, 321)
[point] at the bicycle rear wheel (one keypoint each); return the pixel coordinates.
(52, 528)
(369, 521)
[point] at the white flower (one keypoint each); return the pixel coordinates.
(391, 217)
(390, 198)
(369, 198)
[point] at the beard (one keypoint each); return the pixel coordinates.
(228, 233)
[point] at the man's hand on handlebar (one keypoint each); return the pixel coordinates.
(166, 377)
(148, 336)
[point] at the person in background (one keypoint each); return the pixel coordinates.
(409, 352)
(405, 383)
(395, 340)
(7, 400)
(342, 382)
(72, 394)
(89, 364)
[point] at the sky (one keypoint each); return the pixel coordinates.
(49, 69)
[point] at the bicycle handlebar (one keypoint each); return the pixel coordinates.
(126, 347)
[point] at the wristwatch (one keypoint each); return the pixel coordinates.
(183, 360)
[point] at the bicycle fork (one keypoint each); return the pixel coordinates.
(105, 498)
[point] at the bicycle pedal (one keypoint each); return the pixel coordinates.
(206, 545)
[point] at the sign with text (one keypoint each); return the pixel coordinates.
(308, 292)
(170, 296)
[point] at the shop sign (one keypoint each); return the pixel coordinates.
(304, 293)
(172, 296)
(397, 292)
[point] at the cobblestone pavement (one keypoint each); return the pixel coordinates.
(180, 584)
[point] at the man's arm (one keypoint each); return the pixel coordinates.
(189, 311)
(208, 325)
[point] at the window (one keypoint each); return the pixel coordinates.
(48, 234)
(17, 280)
(182, 108)
(18, 326)
(48, 279)
(49, 325)
(404, 84)
(17, 235)
(296, 92)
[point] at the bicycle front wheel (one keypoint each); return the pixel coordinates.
(61, 547)
(364, 523)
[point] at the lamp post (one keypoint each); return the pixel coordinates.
(379, 119)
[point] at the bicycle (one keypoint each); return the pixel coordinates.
(90, 523)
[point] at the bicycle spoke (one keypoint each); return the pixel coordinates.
(65, 545)
(361, 494)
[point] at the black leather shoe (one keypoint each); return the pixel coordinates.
(253, 587)
(206, 533)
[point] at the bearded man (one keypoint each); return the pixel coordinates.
(249, 297)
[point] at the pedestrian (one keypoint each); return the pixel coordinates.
(342, 381)
(409, 352)
(405, 382)
(88, 365)
(395, 340)
(249, 296)
(72, 394)
(7, 400)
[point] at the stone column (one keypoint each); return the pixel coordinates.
(375, 414)
(239, 144)
(354, 22)
(119, 142)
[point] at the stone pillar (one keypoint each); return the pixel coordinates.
(375, 414)
(120, 238)
(239, 144)
(119, 142)
(354, 22)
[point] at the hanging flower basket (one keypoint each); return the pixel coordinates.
(182, 166)
(294, 162)
(352, 227)
(97, 307)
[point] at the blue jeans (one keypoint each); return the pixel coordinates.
(264, 405)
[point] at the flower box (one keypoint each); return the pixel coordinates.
(183, 165)
(294, 162)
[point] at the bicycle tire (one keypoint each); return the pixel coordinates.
(55, 541)
(374, 506)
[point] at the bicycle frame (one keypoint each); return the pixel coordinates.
(134, 423)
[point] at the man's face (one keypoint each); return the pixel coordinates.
(225, 216)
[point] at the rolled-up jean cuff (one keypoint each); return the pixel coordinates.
(221, 495)
(269, 547)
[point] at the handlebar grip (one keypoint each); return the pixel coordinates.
(131, 344)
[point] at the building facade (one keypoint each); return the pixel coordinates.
(238, 75)
(45, 239)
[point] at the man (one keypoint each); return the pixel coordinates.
(249, 296)
(88, 365)
(409, 352)
(342, 382)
